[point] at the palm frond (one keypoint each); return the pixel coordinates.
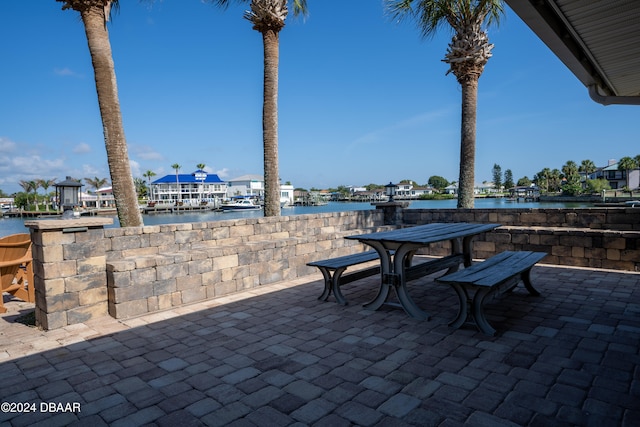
(300, 8)
(433, 15)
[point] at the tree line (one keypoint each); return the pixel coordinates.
(571, 179)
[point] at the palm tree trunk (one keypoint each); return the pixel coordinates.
(468, 142)
(124, 191)
(270, 40)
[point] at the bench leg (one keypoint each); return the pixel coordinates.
(332, 284)
(472, 311)
(463, 306)
(526, 279)
(477, 311)
(327, 284)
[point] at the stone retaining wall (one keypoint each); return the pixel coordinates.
(83, 271)
(586, 237)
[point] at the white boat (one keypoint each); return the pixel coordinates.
(240, 205)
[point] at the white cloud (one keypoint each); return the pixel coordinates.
(82, 148)
(145, 152)
(66, 72)
(136, 172)
(222, 173)
(6, 145)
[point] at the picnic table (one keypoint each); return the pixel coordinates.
(397, 247)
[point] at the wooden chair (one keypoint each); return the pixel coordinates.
(16, 269)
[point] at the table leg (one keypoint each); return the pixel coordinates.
(406, 302)
(385, 276)
(466, 250)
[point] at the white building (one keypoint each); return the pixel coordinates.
(253, 186)
(192, 188)
(409, 191)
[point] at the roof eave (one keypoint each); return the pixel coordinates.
(558, 35)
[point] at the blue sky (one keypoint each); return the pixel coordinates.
(362, 99)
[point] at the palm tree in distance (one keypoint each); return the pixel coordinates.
(149, 174)
(35, 184)
(268, 18)
(96, 183)
(95, 14)
(177, 168)
(626, 164)
(45, 184)
(570, 171)
(201, 167)
(467, 54)
(587, 167)
(27, 186)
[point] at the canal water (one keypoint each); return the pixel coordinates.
(16, 225)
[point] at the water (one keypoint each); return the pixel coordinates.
(16, 225)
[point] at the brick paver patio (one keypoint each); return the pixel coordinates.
(277, 356)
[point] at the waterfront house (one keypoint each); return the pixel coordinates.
(101, 199)
(409, 191)
(192, 188)
(253, 186)
(616, 178)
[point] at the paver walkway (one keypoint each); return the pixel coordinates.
(277, 356)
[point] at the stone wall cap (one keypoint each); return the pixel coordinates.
(59, 224)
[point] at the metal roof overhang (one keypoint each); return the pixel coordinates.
(598, 40)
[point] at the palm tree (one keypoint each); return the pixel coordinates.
(466, 55)
(570, 171)
(200, 167)
(27, 186)
(141, 187)
(149, 174)
(587, 167)
(268, 18)
(45, 184)
(546, 173)
(177, 168)
(95, 15)
(35, 184)
(554, 179)
(96, 183)
(626, 164)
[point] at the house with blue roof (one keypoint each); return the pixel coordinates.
(194, 188)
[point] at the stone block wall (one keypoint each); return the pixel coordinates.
(69, 271)
(83, 271)
(586, 237)
(159, 267)
(622, 219)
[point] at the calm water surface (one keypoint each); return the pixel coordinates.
(16, 225)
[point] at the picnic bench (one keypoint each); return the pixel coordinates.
(332, 270)
(488, 279)
(396, 249)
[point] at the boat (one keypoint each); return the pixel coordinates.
(240, 205)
